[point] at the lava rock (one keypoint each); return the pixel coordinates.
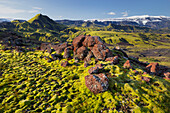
(19, 49)
(147, 79)
(89, 41)
(127, 64)
(96, 69)
(67, 53)
(114, 60)
(64, 64)
(152, 68)
(99, 51)
(82, 52)
(49, 49)
(97, 83)
(86, 64)
(61, 48)
(77, 42)
(89, 56)
(43, 46)
(55, 56)
(167, 76)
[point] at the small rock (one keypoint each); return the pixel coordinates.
(96, 69)
(55, 56)
(76, 60)
(97, 83)
(67, 53)
(61, 48)
(152, 68)
(64, 64)
(136, 72)
(147, 79)
(43, 46)
(167, 76)
(86, 64)
(93, 70)
(49, 49)
(127, 64)
(19, 49)
(114, 60)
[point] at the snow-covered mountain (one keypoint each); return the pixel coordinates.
(138, 19)
(4, 20)
(144, 20)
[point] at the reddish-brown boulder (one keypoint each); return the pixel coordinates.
(89, 56)
(96, 69)
(64, 64)
(77, 42)
(100, 66)
(61, 48)
(98, 40)
(86, 64)
(82, 52)
(90, 41)
(93, 70)
(147, 79)
(97, 83)
(55, 56)
(127, 64)
(167, 76)
(19, 49)
(55, 46)
(49, 49)
(152, 68)
(67, 53)
(114, 60)
(99, 51)
(43, 46)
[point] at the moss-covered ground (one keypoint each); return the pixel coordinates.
(28, 83)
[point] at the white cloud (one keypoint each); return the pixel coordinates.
(38, 8)
(125, 13)
(111, 13)
(33, 11)
(9, 10)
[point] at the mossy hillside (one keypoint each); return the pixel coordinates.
(28, 83)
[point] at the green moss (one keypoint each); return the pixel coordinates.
(39, 86)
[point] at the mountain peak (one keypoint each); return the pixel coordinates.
(37, 17)
(44, 22)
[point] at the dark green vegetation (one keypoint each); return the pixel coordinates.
(28, 83)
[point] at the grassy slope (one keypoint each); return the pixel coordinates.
(139, 45)
(28, 83)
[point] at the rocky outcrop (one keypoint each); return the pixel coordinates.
(97, 83)
(77, 42)
(82, 52)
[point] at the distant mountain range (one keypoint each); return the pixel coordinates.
(155, 22)
(4, 20)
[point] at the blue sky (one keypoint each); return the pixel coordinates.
(82, 9)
